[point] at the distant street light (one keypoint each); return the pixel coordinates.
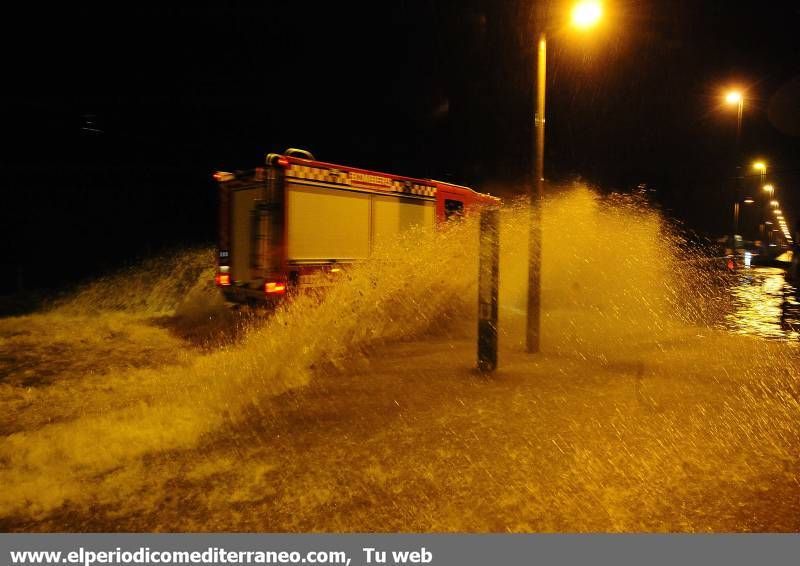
(770, 190)
(747, 200)
(761, 167)
(586, 14)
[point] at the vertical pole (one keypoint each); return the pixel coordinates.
(757, 199)
(532, 336)
(737, 181)
(739, 123)
(488, 282)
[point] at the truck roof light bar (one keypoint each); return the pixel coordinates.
(223, 176)
(277, 159)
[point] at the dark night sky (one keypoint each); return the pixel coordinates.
(425, 88)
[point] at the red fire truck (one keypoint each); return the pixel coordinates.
(295, 222)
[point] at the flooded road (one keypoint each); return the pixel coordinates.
(765, 303)
(159, 410)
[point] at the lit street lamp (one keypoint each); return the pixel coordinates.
(736, 98)
(761, 167)
(769, 190)
(585, 15)
(771, 233)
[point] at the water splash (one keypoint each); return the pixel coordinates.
(170, 406)
(156, 286)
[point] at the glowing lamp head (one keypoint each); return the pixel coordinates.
(760, 166)
(586, 14)
(733, 97)
(748, 200)
(769, 188)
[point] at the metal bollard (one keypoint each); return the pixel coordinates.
(488, 282)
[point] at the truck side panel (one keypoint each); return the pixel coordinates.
(392, 216)
(326, 224)
(242, 205)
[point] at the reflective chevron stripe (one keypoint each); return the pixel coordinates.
(359, 179)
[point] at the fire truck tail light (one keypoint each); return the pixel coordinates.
(275, 287)
(223, 279)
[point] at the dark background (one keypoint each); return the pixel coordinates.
(115, 115)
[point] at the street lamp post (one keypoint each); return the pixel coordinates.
(769, 189)
(585, 14)
(761, 167)
(736, 98)
(533, 331)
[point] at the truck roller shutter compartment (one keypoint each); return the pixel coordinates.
(327, 224)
